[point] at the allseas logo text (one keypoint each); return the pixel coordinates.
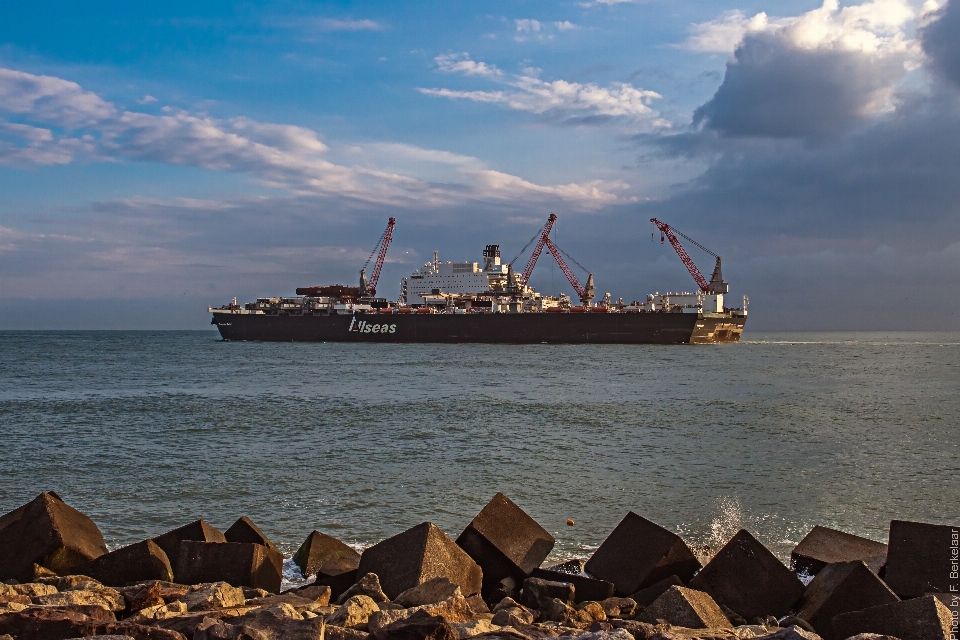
(365, 327)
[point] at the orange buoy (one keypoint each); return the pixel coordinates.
(569, 523)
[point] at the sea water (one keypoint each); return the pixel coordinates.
(145, 431)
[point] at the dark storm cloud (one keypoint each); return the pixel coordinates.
(941, 42)
(774, 88)
(828, 184)
(903, 167)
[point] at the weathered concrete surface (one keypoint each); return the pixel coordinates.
(198, 530)
(823, 546)
(918, 560)
(129, 565)
(917, 619)
(685, 607)
(746, 577)
(639, 553)
(239, 563)
(339, 583)
(244, 530)
(841, 587)
(537, 590)
(419, 554)
(323, 554)
(505, 541)
(585, 588)
(47, 532)
(645, 597)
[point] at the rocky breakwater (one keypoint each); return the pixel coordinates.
(59, 581)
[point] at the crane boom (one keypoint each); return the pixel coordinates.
(370, 288)
(671, 234)
(537, 250)
(585, 293)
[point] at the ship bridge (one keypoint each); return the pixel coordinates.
(455, 277)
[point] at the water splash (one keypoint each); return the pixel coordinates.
(292, 576)
(728, 519)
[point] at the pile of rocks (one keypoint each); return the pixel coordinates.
(642, 583)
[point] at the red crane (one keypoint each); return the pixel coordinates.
(537, 250)
(716, 284)
(585, 293)
(383, 243)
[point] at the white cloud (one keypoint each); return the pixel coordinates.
(332, 24)
(444, 166)
(871, 27)
(526, 25)
(816, 74)
(282, 136)
(147, 99)
(530, 29)
(619, 99)
(27, 132)
(723, 34)
(533, 95)
(461, 63)
(26, 144)
(282, 156)
(51, 98)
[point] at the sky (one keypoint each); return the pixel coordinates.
(159, 158)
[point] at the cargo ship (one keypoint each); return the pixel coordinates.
(488, 302)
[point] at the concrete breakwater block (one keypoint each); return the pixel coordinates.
(685, 607)
(131, 564)
(338, 584)
(536, 591)
(47, 532)
(321, 554)
(240, 564)
(823, 546)
(244, 530)
(639, 553)
(916, 619)
(585, 588)
(842, 587)
(417, 555)
(646, 596)
(199, 531)
(505, 542)
(918, 561)
(746, 577)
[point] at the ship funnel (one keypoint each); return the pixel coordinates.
(717, 285)
(589, 291)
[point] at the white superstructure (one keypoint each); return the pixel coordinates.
(698, 302)
(455, 277)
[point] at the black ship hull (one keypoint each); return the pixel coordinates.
(507, 328)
